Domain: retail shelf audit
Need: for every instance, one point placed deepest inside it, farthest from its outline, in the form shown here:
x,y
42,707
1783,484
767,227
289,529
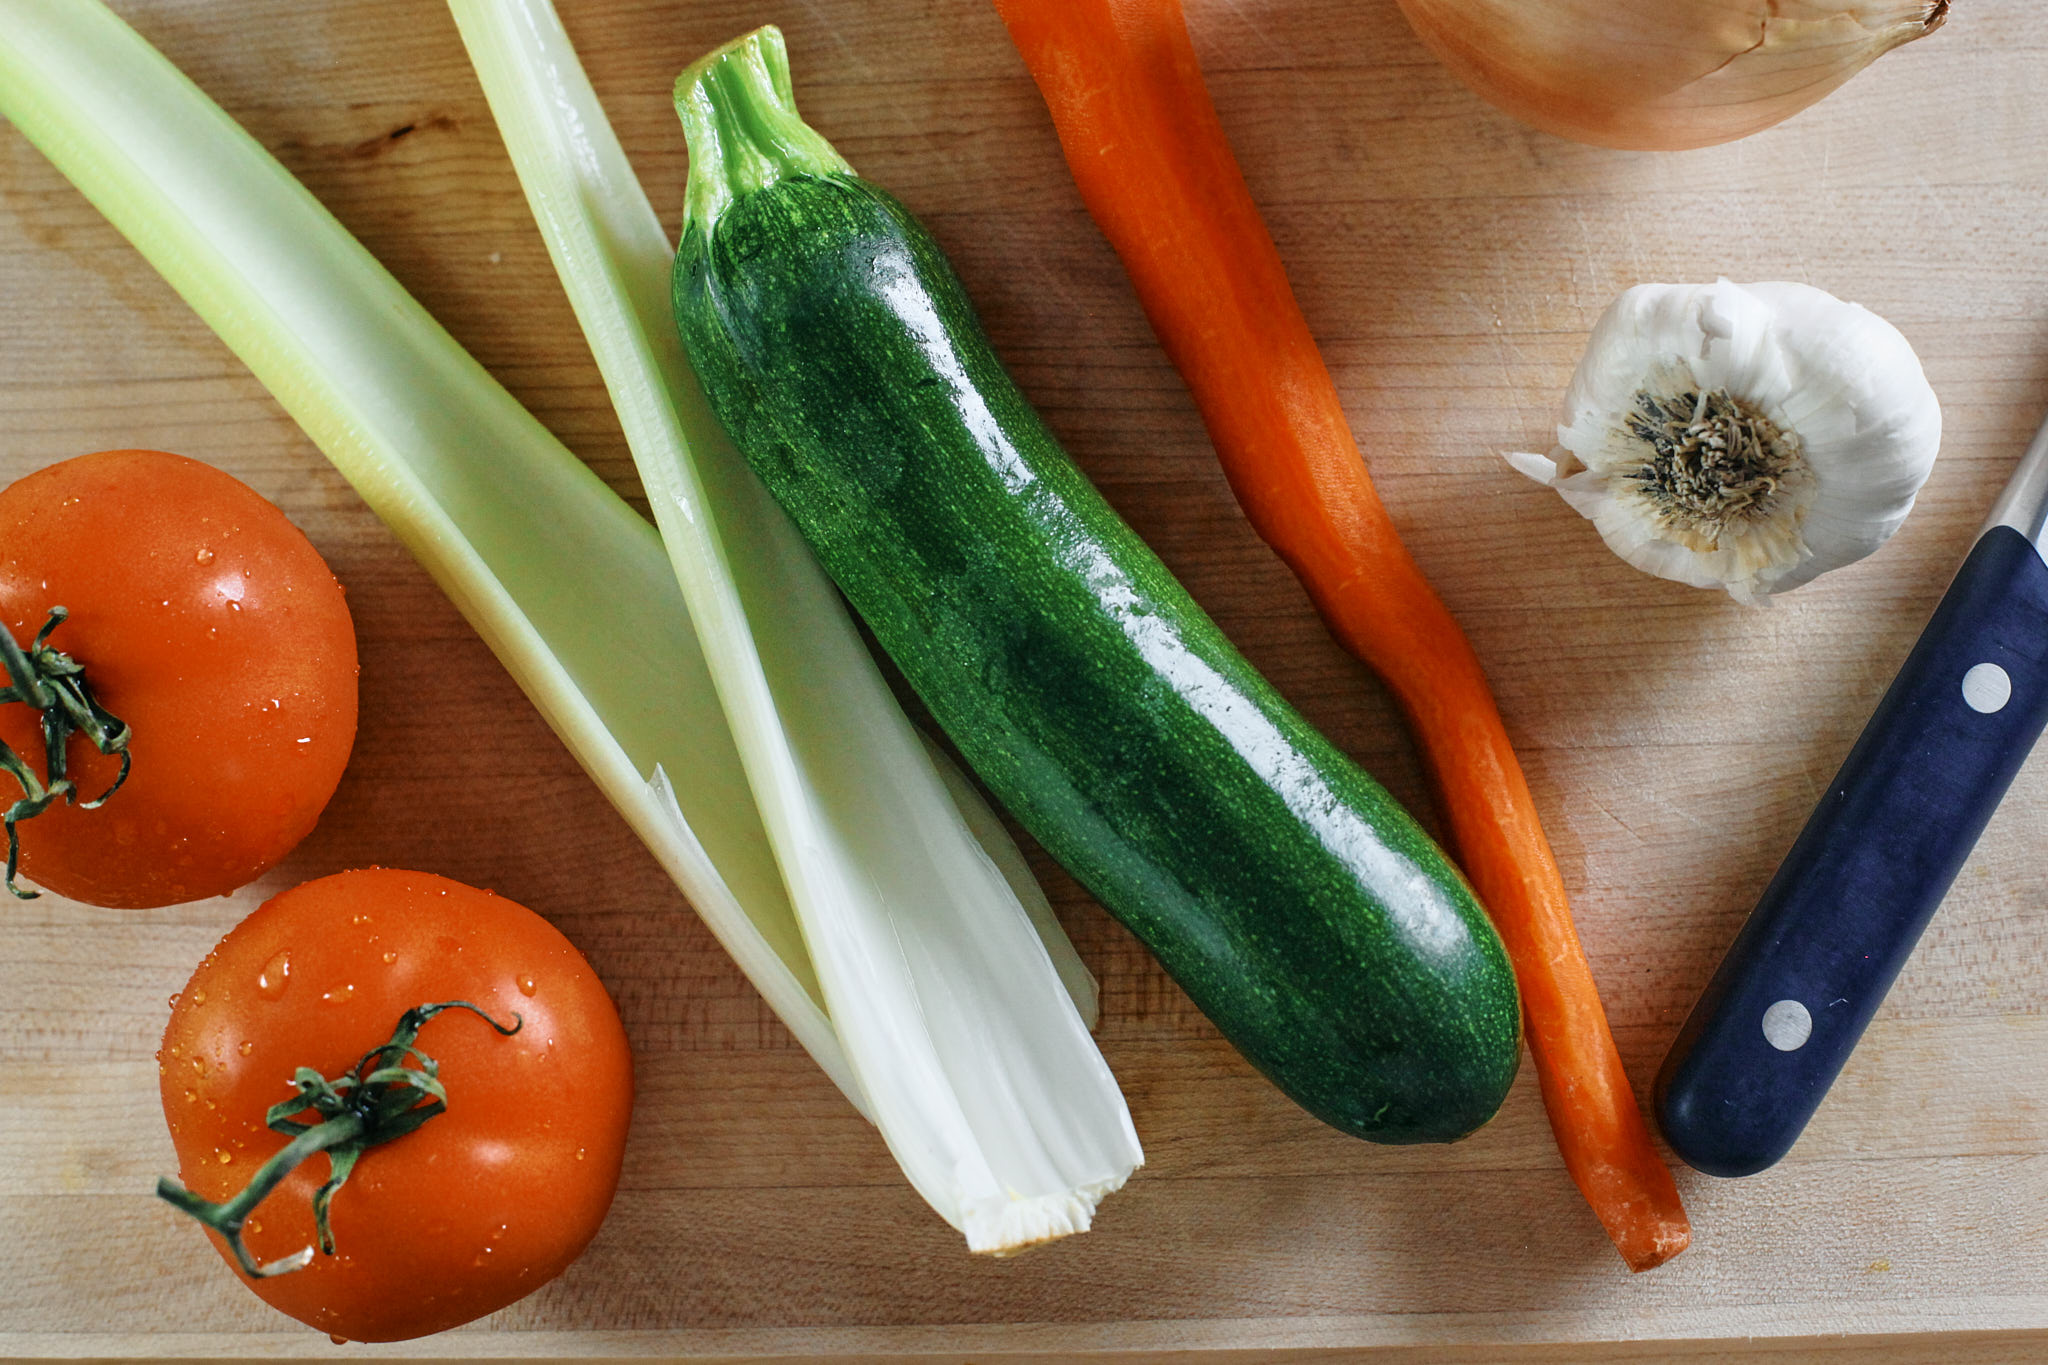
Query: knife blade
x,y
1813,962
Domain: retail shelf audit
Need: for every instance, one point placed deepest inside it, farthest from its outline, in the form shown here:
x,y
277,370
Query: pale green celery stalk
x,y
979,1071
566,583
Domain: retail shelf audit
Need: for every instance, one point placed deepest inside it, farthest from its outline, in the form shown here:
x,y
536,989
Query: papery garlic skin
x,y
1745,437
1662,74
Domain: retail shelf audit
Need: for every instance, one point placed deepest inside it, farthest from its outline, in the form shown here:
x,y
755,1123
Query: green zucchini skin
x,y
1302,909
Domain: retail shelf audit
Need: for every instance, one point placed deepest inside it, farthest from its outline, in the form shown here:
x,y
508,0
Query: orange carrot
x,y
1157,173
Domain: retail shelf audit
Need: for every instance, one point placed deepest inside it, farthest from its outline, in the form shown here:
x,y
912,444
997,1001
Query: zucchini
x,y
1299,906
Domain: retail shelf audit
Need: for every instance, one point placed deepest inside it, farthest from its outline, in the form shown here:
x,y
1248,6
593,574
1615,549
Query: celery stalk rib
x,y
956,1022
568,586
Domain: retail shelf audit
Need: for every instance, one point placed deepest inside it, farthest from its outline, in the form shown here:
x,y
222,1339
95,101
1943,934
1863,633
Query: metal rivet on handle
x,y
1987,688
1787,1026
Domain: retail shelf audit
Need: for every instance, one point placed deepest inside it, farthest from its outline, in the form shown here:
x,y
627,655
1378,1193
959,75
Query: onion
x,y
1662,74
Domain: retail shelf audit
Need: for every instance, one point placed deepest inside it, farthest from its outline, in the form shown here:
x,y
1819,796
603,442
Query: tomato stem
x,y
54,684
378,1099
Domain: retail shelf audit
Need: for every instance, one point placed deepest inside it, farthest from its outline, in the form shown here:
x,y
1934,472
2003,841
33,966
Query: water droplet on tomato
x,y
246,1048
176,996
359,919
338,1341
198,998
191,1097
224,1158
199,1065
338,994
205,556
234,605
254,1226
275,977
527,986
579,1154
390,958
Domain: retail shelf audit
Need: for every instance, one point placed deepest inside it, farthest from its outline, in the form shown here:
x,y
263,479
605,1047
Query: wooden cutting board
x,y
1451,261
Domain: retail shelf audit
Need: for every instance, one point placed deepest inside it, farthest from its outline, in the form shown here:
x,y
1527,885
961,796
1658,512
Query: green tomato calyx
x,y
54,684
377,1100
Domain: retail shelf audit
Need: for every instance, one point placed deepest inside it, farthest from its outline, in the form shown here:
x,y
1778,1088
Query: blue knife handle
x,y
1810,967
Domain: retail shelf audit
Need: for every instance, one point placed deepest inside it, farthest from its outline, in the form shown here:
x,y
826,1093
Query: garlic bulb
x,y
1662,74
1746,437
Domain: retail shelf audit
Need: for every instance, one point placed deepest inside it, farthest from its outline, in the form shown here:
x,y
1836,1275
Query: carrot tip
x,y
1662,1243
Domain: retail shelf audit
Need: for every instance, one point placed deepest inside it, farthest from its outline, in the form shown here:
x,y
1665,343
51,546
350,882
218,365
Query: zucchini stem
x,y
739,116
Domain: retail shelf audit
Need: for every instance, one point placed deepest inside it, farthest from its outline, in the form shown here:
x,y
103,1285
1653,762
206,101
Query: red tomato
x,y
208,623
478,1206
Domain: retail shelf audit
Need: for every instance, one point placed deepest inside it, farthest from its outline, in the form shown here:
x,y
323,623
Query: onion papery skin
x,y
1662,75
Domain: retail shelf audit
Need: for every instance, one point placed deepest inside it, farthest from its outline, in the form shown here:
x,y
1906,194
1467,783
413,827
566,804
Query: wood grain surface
x,y
1451,261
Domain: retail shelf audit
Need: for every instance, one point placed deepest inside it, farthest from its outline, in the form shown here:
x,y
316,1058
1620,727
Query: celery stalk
x,y
979,1072
567,584
569,587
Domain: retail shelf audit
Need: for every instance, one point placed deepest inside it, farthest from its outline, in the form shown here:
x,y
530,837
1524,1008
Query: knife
x,y
1815,958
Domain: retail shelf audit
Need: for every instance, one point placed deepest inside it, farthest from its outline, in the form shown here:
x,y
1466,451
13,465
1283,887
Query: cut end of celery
x,y
1009,1227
